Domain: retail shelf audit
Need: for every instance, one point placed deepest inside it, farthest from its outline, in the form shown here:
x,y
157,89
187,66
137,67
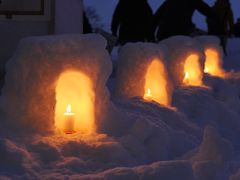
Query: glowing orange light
x,y
186,77
213,64
148,95
69,110
149,92
206,70
156,83
76,88
192,71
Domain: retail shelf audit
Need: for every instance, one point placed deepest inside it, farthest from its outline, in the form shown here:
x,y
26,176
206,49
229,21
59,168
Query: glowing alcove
x,y
192,71
75,89
156,83
213,63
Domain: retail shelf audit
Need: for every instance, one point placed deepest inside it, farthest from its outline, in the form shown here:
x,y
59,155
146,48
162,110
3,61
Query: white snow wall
x,y
214,55
28,96
134,61
179,48
211,42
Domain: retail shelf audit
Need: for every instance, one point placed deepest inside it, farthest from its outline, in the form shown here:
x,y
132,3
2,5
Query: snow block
x,y
213,55
142,72
48,73
185,60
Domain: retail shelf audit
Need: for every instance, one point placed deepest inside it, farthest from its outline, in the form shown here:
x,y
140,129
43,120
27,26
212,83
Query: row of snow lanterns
x,y
76,79
156,69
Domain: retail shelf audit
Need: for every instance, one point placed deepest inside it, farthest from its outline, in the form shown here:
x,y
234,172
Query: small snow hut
x,y
186,60
213,55
142,73
57,83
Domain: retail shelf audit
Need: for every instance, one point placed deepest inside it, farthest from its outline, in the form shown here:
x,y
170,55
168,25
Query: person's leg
x,y
223,42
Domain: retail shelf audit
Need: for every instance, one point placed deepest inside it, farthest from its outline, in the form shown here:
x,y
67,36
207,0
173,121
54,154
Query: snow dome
x,y
186,60
214,55
141,72
57,83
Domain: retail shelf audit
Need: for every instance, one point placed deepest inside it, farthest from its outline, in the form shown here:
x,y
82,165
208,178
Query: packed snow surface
x,y
197,138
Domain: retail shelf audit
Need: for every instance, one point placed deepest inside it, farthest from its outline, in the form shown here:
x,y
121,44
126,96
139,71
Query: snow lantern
x,y
213,55
57,83
142,73
186,60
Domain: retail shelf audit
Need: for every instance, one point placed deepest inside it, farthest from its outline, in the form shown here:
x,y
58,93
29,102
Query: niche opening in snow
x,y
156,83
192,71
213,63
185,60
74,94
213,55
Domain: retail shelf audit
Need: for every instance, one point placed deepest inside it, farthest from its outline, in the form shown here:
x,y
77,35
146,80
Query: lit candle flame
x,y
186,75
206,70
149,92
148,95
69,108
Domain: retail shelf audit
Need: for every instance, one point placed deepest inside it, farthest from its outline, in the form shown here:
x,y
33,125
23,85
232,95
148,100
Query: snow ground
x,y
196,139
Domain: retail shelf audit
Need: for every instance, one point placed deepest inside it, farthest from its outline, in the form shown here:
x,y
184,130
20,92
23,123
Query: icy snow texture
x,y
210,162
28,97
211,42
170,170
134,60
179,48
202,108
153,142
211,45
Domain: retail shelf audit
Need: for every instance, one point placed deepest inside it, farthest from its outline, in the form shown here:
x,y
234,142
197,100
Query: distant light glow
x,y
192,71
213,65
156,83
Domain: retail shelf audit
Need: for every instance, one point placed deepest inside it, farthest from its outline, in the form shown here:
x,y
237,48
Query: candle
x,y
148,95
69,121
186,77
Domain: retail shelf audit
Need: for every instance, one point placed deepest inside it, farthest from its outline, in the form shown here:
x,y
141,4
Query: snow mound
x,y
14,159
210,162
159,170
202,108
214,148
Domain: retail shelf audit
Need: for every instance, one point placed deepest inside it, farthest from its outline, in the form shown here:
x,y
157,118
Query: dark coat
x,y
174,17
237,28
132,21
223,24
87,28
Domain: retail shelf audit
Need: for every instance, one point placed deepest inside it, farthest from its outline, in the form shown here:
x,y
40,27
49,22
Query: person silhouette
x,y
132,21
223,26
237,28
174,17
87,27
